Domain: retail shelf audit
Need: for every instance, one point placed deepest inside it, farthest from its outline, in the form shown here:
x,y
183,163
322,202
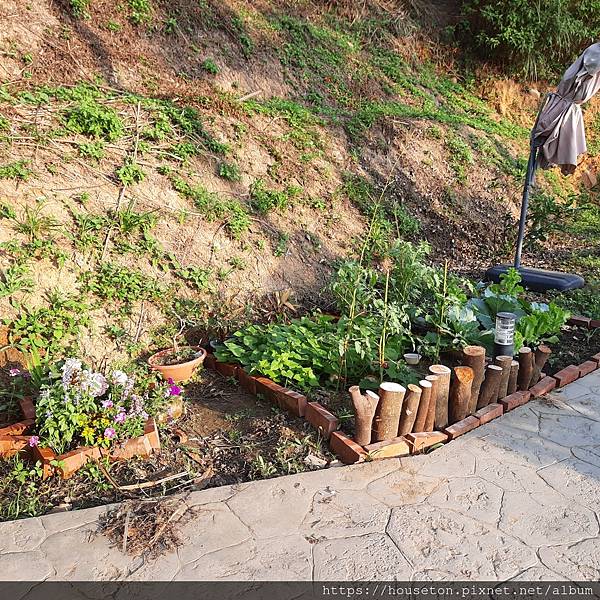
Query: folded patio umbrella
x,y
558,136
559,130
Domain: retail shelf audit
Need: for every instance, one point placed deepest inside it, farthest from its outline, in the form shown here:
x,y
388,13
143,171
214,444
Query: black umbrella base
x,y
539,280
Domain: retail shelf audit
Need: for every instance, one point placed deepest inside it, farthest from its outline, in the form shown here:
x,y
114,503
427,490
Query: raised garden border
x,y
14,440
350,452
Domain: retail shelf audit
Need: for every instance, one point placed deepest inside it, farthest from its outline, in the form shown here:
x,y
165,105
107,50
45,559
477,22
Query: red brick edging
x,y
12,440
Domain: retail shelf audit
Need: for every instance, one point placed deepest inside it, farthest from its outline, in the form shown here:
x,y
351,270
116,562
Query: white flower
x,y
71,368
94,384
137,405
119,378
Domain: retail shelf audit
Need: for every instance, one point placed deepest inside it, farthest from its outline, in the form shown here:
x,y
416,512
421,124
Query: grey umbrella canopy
x,y
559,129
558,136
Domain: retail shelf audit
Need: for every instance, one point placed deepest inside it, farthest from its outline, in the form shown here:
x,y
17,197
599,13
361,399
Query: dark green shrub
x,y
539,38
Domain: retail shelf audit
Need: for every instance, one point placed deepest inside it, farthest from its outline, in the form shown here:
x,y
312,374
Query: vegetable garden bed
x,y
252,429
504,384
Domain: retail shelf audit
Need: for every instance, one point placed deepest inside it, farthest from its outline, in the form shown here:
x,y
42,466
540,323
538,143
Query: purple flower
x,y
34,440
48,414
170,381
14,372
109,433
120,417
107,404
174,390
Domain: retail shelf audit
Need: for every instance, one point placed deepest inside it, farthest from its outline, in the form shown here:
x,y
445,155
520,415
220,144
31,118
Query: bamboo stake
x,y
441,403
409,409
505,363
421,420
474,357
512,380
525,368
364,411
491,384
434,380
460,393
387,415
542,353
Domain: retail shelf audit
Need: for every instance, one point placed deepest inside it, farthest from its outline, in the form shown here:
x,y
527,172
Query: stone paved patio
x,y
516,499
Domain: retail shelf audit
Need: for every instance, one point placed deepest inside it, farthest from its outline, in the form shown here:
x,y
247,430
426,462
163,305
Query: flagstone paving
x,y
518,498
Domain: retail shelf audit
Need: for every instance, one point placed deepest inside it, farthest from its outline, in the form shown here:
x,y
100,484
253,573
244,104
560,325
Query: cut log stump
x,y
421,420
460,393
364,412
490,387
389,408
443,392
474,357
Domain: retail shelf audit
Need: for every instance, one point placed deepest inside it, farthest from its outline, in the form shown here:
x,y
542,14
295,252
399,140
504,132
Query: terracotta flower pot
x,y
177,372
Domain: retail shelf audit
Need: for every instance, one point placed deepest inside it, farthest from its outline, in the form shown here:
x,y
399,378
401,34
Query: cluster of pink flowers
x,y
174,390
14,372
121,415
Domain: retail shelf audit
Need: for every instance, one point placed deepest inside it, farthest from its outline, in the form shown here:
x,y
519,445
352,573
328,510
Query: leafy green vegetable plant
x,y
536,322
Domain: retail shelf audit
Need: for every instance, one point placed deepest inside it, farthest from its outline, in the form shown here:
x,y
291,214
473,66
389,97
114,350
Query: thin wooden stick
x,y
126,531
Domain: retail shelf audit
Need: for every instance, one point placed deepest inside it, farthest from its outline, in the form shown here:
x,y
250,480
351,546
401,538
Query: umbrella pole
x,y
531,165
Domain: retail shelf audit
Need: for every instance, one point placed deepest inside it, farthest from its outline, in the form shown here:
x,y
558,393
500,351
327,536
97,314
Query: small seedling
x,y
282,245
17,170
130,173
94,120
80,8
170,25
209,65
229,171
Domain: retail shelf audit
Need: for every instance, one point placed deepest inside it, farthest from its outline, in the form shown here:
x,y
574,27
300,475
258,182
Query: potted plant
x,y
177,363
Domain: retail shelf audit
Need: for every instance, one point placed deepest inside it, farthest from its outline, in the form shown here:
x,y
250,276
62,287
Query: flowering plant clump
x,y
79,406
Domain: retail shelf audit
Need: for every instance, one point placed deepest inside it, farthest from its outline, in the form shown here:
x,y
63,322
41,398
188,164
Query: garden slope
x,y
297,121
